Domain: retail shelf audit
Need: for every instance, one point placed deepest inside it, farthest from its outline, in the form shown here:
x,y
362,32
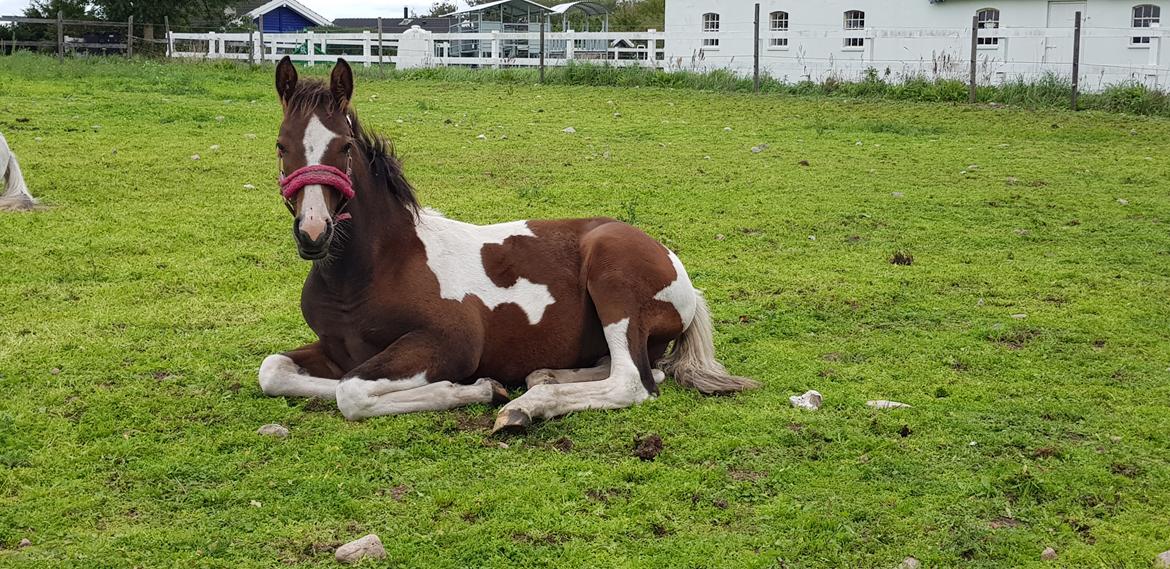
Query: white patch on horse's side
x,y
680,293
316,141
455,255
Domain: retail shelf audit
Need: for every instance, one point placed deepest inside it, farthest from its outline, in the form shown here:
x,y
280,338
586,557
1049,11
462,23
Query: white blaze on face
x,y
314,210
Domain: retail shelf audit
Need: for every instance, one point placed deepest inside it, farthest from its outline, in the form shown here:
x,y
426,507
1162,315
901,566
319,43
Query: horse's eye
x,y
348,146
280,147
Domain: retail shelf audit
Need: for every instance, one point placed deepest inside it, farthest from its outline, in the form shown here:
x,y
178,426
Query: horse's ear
x,y
341,83
286,79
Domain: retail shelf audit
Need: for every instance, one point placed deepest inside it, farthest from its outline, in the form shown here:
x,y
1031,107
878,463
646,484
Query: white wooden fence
x,y
417,48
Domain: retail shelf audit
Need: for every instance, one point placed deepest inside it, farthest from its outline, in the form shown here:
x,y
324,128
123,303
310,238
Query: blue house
x,y
286,16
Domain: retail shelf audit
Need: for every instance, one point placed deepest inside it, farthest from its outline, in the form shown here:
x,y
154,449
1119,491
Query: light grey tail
x,y
16,196
692,362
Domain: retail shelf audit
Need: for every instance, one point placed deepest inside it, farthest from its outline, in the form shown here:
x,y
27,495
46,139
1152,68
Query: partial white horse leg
x,y
622,388
362,398
579,375
15,195
280,376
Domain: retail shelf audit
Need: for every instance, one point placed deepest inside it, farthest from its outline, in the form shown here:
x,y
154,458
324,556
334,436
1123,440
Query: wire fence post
x,y
381,71
973,92
1076,71
61,36
542,25
756,52
167,28
263,45
130,37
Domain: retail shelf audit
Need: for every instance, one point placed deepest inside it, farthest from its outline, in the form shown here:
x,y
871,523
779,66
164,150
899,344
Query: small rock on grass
x,y
25,542
1162,561
883,404
910,563
1049,554
569,130
354,551
273,430
810,400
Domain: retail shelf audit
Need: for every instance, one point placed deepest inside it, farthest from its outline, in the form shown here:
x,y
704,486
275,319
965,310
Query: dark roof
x,y
395,25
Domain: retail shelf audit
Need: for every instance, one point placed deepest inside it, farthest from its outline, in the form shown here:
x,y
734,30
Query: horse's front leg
x,y
416,373
304,372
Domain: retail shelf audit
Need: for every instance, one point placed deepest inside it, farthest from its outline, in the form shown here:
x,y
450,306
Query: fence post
x,y
542,25
756,52
262,44
381,71
310,51
211,45
60,36
170,42
496,49
367,54
570,46
130,37
1076,72
973,92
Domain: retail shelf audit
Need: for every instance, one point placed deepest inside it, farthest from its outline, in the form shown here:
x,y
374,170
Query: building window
x,y
988,20
778,25
854,20
1145,16
711,26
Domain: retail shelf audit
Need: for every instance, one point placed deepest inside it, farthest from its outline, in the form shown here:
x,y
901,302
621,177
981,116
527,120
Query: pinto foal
x,y
415,312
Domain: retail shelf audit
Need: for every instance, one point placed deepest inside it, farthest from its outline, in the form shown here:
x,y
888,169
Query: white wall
x,y
915,37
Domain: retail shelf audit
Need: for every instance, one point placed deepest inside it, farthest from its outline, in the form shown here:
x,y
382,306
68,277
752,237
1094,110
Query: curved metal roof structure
x,y
589,8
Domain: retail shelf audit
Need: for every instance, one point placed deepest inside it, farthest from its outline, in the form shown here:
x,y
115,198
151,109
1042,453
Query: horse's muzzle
x,y
313,248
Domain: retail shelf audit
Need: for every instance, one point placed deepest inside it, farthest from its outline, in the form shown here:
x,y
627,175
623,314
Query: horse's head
x,y
314,150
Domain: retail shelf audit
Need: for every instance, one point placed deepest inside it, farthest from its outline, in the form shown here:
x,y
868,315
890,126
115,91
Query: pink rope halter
x,y
318,174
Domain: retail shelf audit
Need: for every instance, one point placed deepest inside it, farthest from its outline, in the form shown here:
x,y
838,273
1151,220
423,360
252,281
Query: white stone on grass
x,y
811,399
883,404
354,551
249,187
194,156
910,563
1162,561
273,430
1048,554
570,130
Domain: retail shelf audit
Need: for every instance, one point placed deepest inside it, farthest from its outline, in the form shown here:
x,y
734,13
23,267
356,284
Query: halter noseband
x,y
323,175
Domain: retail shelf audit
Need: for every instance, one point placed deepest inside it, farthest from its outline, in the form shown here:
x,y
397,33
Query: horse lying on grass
x,y
16,196
414,312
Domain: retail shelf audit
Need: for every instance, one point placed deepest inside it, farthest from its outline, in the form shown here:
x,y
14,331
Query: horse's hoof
x,y
500,395
511,422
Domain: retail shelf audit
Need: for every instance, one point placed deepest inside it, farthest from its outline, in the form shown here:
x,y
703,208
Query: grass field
x,y
1030,333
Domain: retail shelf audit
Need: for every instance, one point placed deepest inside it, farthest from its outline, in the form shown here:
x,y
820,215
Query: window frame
x,y
988,23
853,20
779,23
711,21
1151,14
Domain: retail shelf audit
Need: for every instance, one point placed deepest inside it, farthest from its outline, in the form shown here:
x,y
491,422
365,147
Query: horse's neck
x,y
380,234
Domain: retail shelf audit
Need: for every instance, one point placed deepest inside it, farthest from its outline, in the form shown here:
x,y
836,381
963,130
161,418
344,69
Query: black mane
x,y
384,166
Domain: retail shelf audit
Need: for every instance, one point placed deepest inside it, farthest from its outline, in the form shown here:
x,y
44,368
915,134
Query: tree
x,y
442,8
48,9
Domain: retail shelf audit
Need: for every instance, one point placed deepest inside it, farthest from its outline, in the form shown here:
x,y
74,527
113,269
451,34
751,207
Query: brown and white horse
x,y
415,312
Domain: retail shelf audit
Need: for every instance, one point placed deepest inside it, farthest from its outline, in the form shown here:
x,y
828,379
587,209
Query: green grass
x,y
154,284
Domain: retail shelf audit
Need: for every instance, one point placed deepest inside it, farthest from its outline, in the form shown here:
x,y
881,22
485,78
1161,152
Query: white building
x,y
844,39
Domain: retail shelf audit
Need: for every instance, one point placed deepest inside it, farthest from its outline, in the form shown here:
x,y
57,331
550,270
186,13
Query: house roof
x,y
395,25
291,5
589,8
485,6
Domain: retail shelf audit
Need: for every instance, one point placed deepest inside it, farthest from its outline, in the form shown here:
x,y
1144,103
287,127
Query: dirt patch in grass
x,y
648,448
1016,339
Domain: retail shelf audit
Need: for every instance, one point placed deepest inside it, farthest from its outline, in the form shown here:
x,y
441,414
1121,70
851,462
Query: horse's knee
x,y
353,399
274,372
